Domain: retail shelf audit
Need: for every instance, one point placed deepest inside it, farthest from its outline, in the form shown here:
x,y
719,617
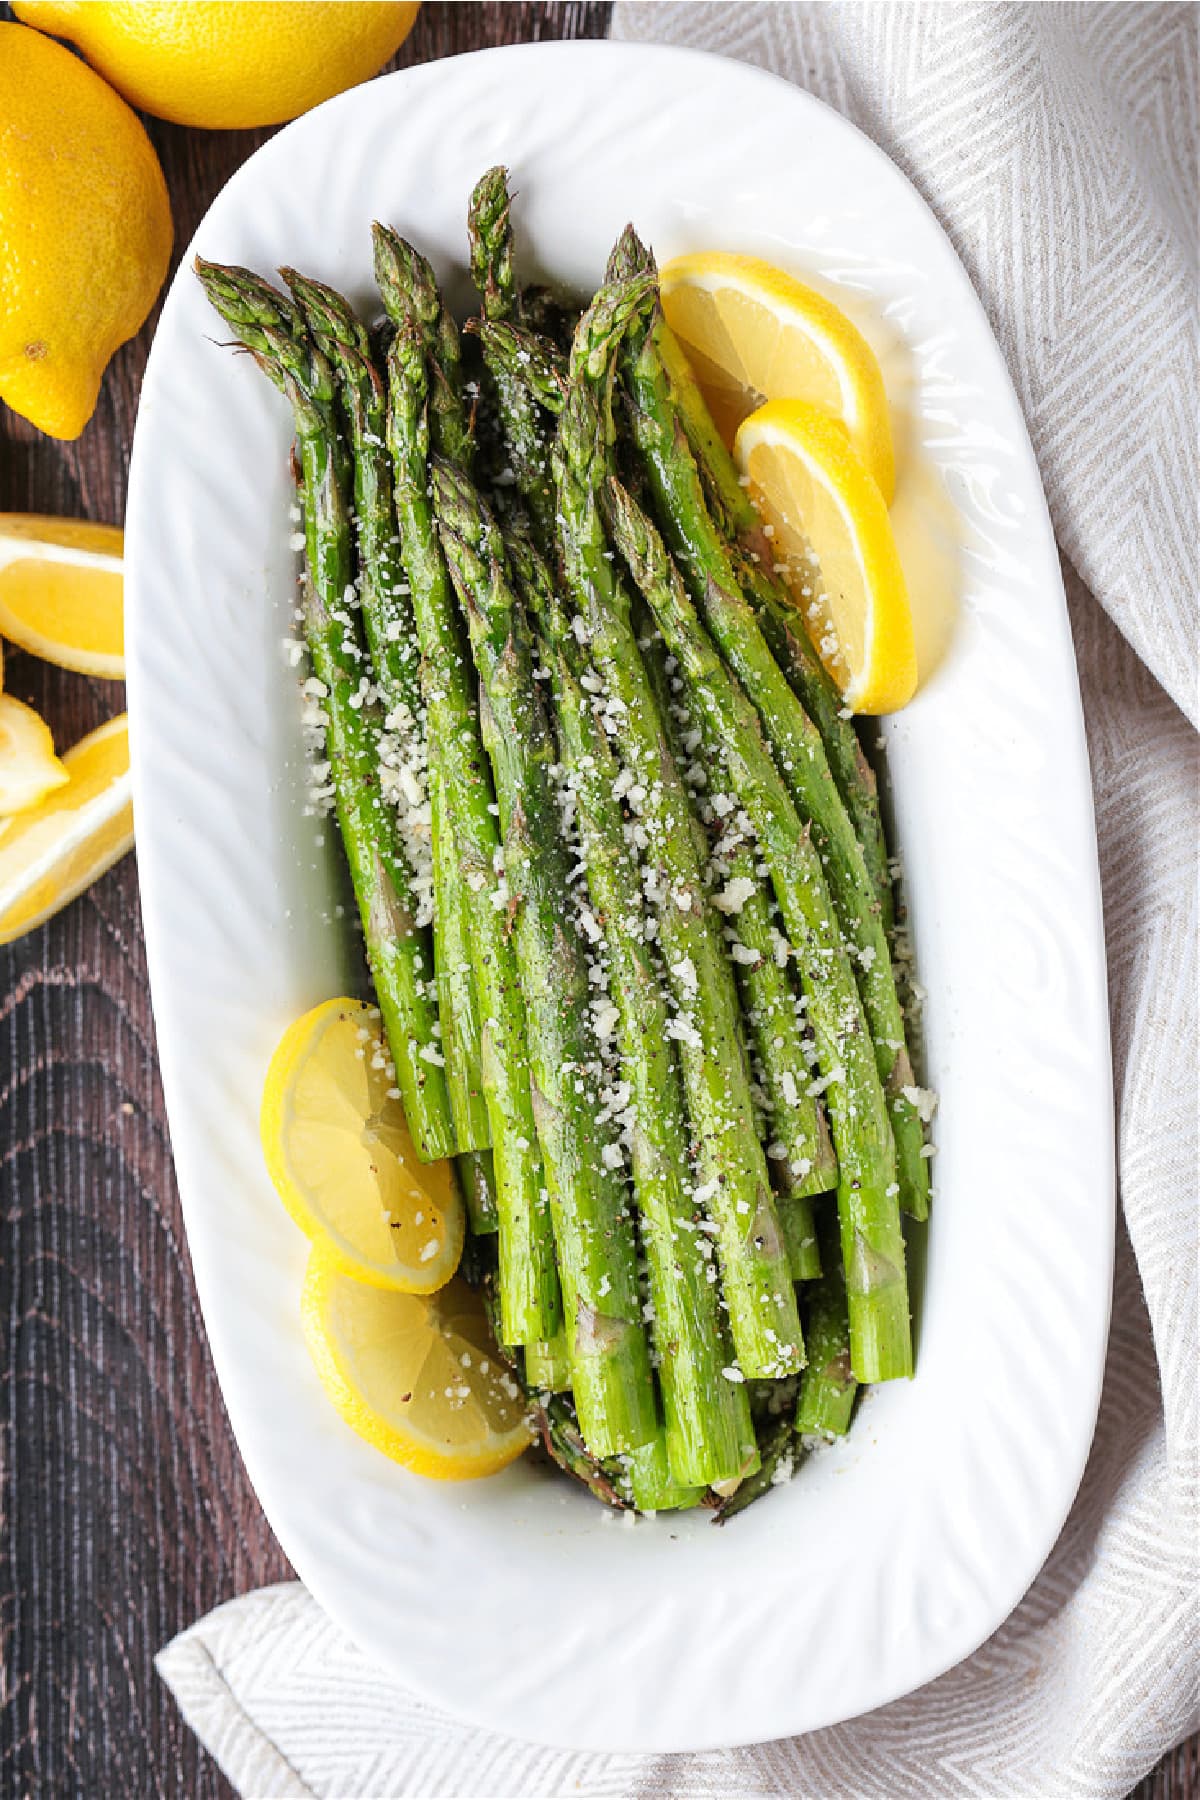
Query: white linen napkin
x,y
1056,143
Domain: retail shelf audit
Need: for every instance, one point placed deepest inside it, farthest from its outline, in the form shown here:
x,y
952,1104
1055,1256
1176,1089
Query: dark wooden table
x,y
125,1512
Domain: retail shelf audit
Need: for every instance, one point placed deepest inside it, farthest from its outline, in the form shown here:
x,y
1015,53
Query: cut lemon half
x,y
416,1375
752,333
339,1152
29,769
833,541
51,852
61,592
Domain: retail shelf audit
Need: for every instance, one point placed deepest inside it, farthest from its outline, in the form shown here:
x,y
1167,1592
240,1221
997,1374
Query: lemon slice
x,y
29,769
51,852
61,592
338,1150
415,1375
752,333
833,540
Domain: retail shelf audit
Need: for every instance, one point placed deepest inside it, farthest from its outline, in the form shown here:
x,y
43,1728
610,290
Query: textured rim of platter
x,y
516,1602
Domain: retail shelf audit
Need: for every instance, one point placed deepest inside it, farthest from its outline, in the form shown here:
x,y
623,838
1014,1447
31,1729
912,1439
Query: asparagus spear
x,y
649,1475
458,1009
780,1450
782,625
490,236
387,608
640,1479
804,1161
477,1179
399,952
392,635
546,312
564,1443
708,1431
713,581
260,306
776,610
524,423
872,1242
528,359
548,1367
606,1342
410,294
800,1149
730,1168
521,417
552,1412
809,1164
784,631
528,1283
827,1386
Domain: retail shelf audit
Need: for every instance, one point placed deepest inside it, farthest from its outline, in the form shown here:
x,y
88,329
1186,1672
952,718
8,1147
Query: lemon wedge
x,y
52,851
29,769
753,333
833,541
339,1152
416,1375
61,592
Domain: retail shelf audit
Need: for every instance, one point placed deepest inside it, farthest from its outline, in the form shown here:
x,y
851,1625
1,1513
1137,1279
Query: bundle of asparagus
x,y
618,859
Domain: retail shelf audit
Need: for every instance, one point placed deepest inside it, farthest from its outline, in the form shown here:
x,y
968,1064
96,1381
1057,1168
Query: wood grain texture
x,y
125,1512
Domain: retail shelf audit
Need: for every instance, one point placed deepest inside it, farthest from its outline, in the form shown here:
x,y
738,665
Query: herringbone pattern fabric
x,y
1057,145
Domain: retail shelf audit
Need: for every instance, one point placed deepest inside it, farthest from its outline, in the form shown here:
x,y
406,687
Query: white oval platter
x,y
516,1602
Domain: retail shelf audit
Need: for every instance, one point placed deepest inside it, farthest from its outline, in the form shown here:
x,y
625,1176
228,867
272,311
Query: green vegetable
x,y
458,1001
527,1278
513,381
708,1432
392,634
731,1174
490,235
651,1481
400,952
828,1385
606,1340
781,1453
411,297
872,1242
712,579
732,505
803,1161
548,1367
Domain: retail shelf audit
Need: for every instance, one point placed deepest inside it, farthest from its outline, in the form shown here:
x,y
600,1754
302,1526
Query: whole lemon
x,y
85,230
227,63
